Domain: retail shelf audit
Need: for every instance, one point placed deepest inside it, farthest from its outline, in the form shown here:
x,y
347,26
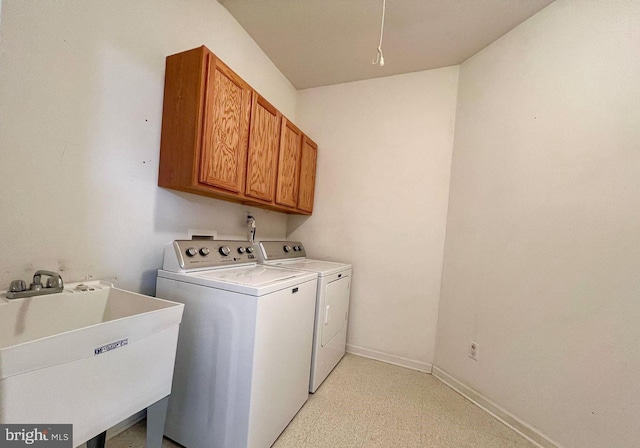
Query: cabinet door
x,y
263,150
307,175
227,105
289,164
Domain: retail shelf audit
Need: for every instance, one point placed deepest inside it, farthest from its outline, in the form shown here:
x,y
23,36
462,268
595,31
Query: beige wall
x,y
81,87
542,257
381,199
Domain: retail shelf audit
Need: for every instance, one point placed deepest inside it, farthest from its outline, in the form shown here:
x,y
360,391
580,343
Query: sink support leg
x,y
156,414
98,441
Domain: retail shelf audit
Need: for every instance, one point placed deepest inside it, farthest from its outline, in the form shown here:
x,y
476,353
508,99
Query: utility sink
x,y
92,355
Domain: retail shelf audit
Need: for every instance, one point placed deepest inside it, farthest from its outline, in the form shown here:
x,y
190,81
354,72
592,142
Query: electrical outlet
x,y
474,350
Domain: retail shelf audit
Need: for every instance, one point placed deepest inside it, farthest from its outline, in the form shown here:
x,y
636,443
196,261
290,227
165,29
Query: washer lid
x,y
323,268
257,276
253,280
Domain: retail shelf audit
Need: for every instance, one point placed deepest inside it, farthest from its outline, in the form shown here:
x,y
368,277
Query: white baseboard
x,y
513,422
389,359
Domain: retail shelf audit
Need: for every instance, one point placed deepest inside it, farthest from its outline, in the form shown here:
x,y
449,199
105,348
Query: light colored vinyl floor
x,y
366,404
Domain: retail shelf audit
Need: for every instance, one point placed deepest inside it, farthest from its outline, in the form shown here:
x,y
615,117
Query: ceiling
x,y
323,42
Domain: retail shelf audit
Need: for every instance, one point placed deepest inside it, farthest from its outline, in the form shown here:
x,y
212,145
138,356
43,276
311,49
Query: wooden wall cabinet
x,y
227,102
288,180
263,150
307,174
221,139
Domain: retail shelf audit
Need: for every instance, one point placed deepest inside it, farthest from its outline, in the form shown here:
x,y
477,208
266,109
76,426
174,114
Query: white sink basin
x,y
91,358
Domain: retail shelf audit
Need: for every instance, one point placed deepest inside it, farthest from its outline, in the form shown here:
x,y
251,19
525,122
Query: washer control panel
x,y
200,254
281,250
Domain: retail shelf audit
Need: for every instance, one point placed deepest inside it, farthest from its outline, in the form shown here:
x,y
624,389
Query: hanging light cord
x,y
379,60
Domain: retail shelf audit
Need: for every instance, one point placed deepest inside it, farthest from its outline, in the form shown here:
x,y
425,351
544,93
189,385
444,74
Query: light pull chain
x,y
379,60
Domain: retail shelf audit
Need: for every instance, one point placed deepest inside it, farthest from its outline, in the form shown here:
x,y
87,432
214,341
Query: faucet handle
x,y
54,280
18,286
51,282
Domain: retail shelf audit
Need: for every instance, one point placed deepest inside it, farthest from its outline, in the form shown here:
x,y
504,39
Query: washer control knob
x,y
224,250
204,251
241,250
287,248
249,249
191,252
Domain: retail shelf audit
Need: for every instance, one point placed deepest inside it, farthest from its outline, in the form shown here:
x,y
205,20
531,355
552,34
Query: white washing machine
x,y
244,350
332,303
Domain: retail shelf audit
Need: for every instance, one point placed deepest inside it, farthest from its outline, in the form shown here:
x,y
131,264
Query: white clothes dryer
x,y
332,303
244,351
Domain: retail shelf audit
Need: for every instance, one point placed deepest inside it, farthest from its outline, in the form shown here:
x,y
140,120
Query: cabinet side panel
x,y
224,145
181,118
307,175
289,164
263,150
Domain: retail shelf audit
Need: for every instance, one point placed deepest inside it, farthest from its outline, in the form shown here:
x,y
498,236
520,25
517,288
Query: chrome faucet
x,y
54,284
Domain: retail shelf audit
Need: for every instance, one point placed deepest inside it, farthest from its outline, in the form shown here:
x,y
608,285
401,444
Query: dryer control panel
x,y
281,250
187,255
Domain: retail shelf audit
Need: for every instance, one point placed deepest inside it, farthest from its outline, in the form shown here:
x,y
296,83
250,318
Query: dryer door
x,y
336,306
